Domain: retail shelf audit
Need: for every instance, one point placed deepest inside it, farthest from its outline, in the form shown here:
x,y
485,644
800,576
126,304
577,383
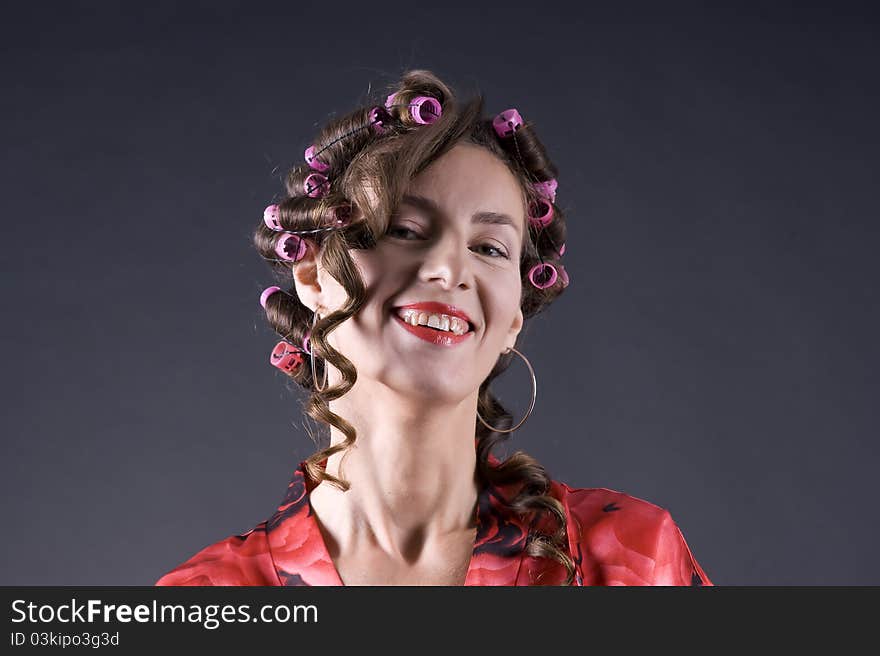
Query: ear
x,y
306,277
515,327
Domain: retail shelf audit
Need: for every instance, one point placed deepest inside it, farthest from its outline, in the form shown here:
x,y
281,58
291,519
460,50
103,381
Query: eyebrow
x,y
484,216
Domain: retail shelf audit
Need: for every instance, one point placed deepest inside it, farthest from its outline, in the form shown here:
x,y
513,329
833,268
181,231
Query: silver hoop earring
x,y
315,318
531,405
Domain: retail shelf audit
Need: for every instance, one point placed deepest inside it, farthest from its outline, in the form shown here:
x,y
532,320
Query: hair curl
x,y
368,171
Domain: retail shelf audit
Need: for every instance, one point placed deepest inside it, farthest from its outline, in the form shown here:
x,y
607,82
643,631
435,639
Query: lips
x,y
438,337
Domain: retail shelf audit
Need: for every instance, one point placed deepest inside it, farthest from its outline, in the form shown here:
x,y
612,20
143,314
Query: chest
x,y
442,565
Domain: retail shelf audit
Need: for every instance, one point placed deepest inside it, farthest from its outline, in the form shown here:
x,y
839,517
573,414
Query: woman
x,y
420,236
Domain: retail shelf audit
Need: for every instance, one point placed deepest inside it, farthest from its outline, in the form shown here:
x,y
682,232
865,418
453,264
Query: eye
x,y
398,229
500,252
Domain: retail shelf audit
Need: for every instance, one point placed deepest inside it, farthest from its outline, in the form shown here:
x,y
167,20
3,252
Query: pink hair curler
x,y
507,122
541,220
291,248
307,342
547,189
540,270
343,215
314,162
316,185
425,110
377,118
270,218
562,251
267,293
389,101
286,357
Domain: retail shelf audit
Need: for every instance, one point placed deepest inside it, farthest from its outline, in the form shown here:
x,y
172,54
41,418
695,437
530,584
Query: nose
x,y
448,263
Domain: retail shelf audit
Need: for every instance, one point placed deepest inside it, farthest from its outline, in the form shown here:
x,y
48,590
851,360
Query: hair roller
x,y
549,238
543,275
270,217
420,109
378,119
295,182
519,140
342,215
425,110
419,100
316,185
267,293
507,122
291,247
286,357
290,215
315,163
547,189
540,213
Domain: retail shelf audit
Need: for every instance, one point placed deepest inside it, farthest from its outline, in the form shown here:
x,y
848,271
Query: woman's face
x,y
456,239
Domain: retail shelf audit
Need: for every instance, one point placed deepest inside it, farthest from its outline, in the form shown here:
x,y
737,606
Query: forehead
x,y
469,179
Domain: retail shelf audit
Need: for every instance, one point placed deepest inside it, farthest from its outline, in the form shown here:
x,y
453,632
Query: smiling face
x,y
455,239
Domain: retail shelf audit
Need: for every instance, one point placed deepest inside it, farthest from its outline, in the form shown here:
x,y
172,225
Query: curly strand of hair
x,y
532,502
340,265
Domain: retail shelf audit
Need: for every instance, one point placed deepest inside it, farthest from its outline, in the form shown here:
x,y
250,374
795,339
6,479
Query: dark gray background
x,y
715,354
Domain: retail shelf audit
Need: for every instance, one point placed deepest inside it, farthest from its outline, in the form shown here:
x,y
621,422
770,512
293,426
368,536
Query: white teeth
x,y
439,321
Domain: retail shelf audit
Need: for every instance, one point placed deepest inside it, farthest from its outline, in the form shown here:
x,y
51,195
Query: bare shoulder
x,y
238,560
625,540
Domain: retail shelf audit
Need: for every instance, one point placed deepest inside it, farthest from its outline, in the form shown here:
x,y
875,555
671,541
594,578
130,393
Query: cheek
x,y
504,299
371,265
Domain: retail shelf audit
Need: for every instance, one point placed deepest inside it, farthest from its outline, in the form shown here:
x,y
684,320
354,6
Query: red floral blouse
x,y
613,538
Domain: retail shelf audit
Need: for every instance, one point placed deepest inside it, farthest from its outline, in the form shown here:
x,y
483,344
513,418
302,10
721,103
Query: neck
x,y
412,470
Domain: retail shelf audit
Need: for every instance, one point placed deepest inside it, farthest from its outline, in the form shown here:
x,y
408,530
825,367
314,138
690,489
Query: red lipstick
x,y
432,307
439,337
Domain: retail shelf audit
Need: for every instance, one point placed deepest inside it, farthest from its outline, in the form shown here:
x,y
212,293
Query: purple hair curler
x,y
316,185
270,218
343,215
377,116
507,122
291,248
547,189
540,270
425,110
267,293
315,163
541,220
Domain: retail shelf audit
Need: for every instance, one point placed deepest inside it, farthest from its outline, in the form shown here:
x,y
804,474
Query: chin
x,y
427,387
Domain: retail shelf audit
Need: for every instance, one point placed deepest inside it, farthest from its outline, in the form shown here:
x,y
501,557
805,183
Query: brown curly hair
x,y
368,172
